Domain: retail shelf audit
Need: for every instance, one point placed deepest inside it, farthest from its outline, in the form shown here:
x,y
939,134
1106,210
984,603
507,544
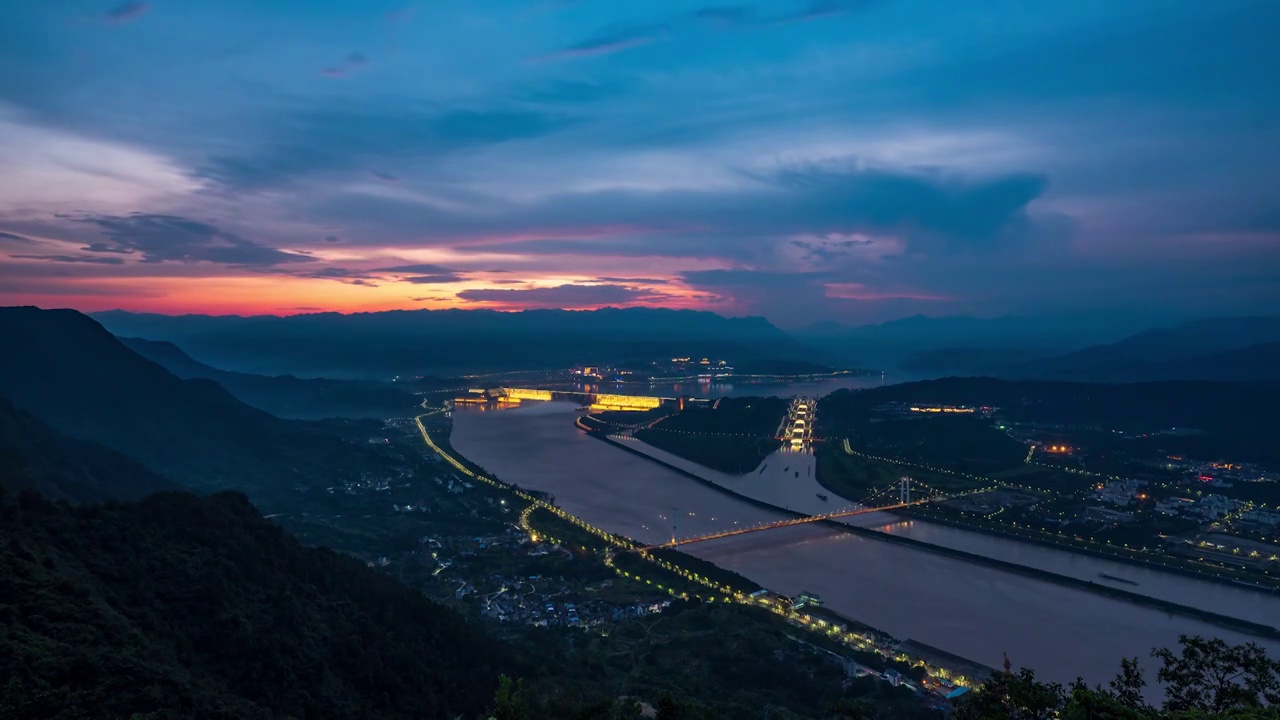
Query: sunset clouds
x,y
849,160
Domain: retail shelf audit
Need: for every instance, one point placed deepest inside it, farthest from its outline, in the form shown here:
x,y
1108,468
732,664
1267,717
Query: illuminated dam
x,y
599,402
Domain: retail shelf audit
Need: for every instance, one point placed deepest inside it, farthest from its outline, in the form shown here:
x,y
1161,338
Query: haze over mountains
x,y
382,345
285,396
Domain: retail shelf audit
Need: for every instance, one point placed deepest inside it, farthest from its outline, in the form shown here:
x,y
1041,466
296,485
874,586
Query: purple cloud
x,y
609,43
417,269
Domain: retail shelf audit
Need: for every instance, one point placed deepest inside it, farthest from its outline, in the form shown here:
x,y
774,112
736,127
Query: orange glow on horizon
x,y
286,295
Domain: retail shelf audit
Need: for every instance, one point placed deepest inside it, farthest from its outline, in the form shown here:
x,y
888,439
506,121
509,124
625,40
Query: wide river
x,y
971,610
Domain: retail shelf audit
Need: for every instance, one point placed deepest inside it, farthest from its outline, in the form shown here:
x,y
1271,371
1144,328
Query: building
x,y
1262,517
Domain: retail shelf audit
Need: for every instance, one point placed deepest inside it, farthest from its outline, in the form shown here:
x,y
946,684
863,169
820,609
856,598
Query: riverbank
x,y
921,514
1036,538
1004,566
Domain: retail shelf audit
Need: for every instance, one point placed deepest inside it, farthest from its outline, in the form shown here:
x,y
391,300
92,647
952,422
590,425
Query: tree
x,y
1012,696
1096,703
509,702
1127,686
666,708
1212,676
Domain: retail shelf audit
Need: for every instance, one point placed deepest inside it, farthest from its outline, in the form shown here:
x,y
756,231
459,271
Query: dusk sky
x,y
805,160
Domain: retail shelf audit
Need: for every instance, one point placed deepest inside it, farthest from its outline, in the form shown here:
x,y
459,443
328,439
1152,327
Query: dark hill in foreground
x,y
33,455
179,606
64,368
191,607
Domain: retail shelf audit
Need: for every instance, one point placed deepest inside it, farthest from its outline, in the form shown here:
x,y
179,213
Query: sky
x,y
806,160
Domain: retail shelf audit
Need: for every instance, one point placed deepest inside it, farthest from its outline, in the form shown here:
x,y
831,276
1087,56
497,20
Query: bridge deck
x,y
787,523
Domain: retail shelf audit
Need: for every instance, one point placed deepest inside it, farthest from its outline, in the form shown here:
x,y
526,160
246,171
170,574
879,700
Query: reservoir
x,y
967,609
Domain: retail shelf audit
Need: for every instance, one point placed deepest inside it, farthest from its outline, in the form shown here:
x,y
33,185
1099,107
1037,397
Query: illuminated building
x,y
625,402
941,409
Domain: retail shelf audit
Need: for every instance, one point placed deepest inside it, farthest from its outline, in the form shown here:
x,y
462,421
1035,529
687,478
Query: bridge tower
x,y
674,541
904,490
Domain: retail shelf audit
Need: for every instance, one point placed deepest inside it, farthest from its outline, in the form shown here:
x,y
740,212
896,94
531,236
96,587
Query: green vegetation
x,y
190,607
713,661
1203,679
757,416
1235,420
726,453
855,477
62,468
732,436
708,570
964,444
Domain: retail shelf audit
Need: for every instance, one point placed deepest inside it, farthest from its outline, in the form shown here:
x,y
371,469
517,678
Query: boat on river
x,y
1116,578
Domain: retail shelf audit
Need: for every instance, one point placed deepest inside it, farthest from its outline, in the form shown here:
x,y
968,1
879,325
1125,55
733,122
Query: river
x,y
967,609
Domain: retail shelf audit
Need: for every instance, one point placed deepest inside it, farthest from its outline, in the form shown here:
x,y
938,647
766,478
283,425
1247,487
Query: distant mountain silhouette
x,y
953,343
285,395
34,455
411,342
65,368
1243,348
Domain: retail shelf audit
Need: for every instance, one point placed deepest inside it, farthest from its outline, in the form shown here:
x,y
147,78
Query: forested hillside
x,y
197,607
33,455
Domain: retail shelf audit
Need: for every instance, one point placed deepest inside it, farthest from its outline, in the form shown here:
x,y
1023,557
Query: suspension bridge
x,y
878,501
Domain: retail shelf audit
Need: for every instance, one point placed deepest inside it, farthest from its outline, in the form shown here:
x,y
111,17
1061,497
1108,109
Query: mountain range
x,y
1233,348
66,369
380,345
417,342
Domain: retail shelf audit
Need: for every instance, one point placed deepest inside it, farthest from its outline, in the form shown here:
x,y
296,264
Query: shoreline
x,y
911,514
1225,621
917,513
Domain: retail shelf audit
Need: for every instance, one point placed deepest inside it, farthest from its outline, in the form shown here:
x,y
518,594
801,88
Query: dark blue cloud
x,y
931,212
344,137
126,11
171,238
84,259
353,63
433,279
615,38
817,9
